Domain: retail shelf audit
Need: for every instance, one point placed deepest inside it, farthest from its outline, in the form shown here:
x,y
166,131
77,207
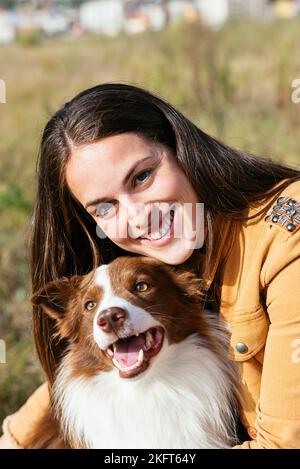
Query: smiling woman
x,y
118,167
124,193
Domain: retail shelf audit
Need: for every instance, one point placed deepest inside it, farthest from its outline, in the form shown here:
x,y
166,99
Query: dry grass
x,y
234,83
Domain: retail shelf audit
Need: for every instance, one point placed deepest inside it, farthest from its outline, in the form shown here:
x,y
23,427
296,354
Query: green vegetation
x,y
234,83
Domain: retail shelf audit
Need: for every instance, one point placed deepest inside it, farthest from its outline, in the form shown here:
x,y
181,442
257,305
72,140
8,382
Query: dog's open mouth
x,y
132,355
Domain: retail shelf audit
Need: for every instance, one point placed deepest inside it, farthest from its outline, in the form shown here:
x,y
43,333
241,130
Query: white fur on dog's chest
x,y
183,394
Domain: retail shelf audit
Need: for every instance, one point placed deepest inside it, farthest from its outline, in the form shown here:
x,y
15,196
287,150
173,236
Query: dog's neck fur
x,y
184,400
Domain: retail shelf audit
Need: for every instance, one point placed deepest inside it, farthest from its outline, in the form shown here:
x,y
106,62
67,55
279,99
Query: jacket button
x,y
280,200
291,227
241,347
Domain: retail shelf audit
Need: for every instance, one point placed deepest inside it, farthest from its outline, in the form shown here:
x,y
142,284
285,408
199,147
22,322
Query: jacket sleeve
x,y
278,409
23,424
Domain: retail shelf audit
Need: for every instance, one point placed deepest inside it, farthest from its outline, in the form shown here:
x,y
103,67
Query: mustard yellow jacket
x,y
260,301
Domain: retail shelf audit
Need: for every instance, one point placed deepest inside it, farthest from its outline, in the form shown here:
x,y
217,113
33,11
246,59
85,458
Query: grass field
x,y
234,83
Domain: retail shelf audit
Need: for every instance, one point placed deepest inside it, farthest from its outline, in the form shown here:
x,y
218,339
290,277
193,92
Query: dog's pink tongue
x,y
127,350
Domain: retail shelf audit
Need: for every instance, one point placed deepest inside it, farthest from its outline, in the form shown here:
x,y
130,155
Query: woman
x,y
116,147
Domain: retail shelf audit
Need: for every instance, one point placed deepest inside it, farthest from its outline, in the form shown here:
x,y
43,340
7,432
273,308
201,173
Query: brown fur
x,y
173,298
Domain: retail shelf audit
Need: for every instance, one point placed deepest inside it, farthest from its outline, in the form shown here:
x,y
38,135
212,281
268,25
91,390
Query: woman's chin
x,y
173,255
176,258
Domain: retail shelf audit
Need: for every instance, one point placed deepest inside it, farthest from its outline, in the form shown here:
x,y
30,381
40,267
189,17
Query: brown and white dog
x,y
146,366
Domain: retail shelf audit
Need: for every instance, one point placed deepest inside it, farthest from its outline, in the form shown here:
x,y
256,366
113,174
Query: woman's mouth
x,y
162,236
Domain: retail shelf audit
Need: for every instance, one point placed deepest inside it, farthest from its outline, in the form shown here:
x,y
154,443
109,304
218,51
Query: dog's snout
x,y
111,319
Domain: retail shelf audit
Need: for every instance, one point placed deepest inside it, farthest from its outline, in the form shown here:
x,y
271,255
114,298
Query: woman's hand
x,y
7,442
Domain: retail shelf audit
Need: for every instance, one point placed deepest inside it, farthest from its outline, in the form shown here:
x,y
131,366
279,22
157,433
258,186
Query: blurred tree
x,y
10,4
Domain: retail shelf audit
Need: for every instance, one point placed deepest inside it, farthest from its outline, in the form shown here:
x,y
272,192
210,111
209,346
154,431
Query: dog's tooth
x,y
116,363
141,356
149,339
137,334
119,365
114,347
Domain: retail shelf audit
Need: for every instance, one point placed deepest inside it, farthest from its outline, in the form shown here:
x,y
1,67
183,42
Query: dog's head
x,y
121,315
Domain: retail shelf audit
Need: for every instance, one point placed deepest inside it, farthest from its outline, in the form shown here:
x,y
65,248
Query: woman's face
x,y
133,187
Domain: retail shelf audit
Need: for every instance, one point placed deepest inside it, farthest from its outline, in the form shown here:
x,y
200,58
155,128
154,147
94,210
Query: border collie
x,y
146,366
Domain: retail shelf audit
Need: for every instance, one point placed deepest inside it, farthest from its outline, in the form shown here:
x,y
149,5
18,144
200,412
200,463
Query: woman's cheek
x,y
116,230
166,187
106,229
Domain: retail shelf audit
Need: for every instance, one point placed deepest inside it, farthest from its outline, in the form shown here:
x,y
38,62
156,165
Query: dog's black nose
x,y
111,319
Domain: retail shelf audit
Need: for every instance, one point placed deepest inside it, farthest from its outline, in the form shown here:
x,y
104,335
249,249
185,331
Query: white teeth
x,y
141,356
132,367
149,339
161,232
139,362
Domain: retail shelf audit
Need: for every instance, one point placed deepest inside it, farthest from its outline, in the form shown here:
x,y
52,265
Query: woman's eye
x,y
89,305
141,286
142,176
103,209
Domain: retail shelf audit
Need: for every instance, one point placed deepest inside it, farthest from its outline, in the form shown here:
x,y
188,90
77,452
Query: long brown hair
x,y
63,239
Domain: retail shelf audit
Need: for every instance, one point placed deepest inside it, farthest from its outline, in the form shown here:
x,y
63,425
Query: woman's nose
x,y
137,218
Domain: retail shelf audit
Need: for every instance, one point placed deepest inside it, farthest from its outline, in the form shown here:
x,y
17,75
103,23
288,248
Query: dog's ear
x,y
187,282
190,285
55,297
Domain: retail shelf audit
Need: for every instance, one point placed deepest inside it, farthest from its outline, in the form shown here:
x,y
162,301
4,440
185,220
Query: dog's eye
x,y
89,305
141,286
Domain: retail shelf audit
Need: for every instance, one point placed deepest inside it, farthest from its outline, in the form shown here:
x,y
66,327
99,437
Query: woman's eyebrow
x,y
132,169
